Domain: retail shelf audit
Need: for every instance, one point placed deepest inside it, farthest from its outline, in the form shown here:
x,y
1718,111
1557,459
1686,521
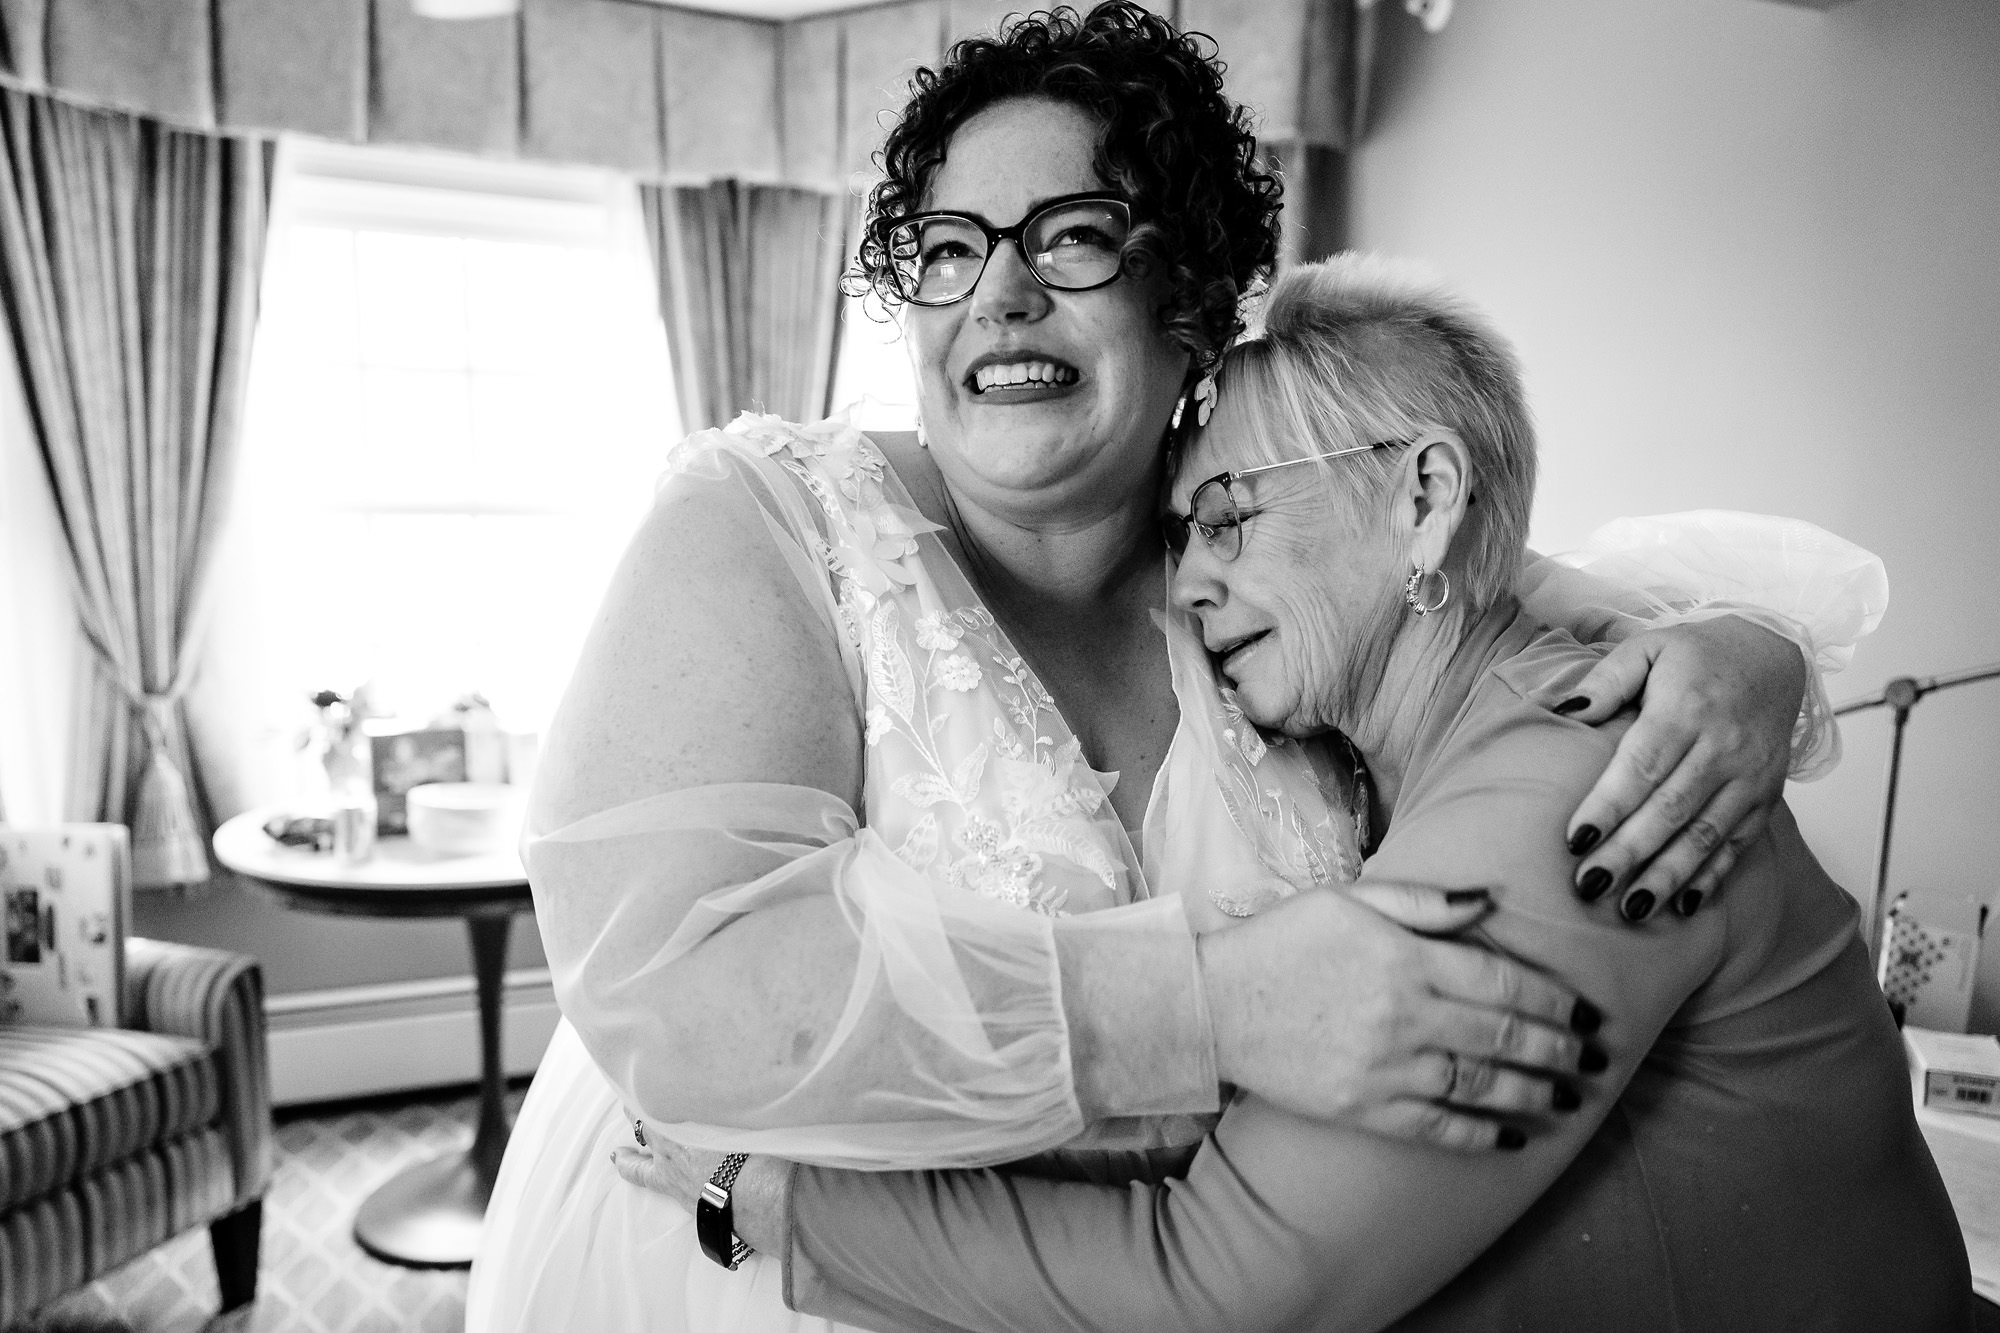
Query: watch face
x,y
715,1226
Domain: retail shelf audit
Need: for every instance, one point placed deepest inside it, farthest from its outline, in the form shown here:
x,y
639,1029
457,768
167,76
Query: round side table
x,y
429,1215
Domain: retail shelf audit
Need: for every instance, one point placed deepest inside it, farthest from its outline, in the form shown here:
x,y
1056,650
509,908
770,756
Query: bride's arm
x,y
710,909
1713,575
1723,623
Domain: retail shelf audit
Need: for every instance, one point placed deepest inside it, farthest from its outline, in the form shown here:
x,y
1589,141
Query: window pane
x,y
311,310
304,426
529,306
522,427
874,381
414,446
412,299
427,607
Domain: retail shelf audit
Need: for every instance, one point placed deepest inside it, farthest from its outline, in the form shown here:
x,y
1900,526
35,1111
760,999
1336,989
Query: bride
x,y
872,831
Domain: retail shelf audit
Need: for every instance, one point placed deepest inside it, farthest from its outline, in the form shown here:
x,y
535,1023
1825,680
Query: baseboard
x,y
356,1041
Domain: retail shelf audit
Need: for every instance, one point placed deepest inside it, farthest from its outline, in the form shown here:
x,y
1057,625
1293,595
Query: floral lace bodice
x,y
974,777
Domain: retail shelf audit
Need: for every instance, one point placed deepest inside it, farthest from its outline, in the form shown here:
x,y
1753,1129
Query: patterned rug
x,y
313,1277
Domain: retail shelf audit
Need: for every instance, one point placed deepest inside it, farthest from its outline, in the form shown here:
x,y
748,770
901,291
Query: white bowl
x,y
465,818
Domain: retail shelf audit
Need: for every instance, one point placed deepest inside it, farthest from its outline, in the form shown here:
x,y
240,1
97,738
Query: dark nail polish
x,y
1566,1098
1585,838
1593,1060
1585,1017
1460,897
1689,902
1576,703
1593,884
1511,1138
1638,905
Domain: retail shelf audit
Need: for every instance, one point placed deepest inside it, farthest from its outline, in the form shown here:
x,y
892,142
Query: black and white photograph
x,y
943,666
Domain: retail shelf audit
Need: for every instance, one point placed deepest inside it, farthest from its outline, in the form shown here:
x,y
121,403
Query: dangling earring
x,y
923,440
1413,589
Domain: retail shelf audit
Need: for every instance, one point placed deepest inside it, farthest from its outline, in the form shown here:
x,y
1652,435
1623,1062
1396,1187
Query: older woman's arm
x,y
1279,1218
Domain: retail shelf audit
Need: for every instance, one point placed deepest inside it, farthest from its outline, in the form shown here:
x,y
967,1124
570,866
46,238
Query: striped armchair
x,y
114,1140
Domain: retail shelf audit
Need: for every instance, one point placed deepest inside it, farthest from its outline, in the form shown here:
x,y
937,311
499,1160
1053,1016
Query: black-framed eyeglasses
x,y
1073,244
1216,513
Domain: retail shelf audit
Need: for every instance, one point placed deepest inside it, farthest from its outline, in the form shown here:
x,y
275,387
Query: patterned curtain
x,y
130,255
749,288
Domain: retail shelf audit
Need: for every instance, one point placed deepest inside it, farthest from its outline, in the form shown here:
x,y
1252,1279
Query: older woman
x,y
835,847
1350,522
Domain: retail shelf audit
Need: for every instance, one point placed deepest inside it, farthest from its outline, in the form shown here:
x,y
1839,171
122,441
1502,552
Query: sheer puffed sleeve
x,y
948,1041
888,997
1820,591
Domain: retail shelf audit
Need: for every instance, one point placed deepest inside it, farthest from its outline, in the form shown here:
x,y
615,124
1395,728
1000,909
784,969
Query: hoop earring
x,y
1413,589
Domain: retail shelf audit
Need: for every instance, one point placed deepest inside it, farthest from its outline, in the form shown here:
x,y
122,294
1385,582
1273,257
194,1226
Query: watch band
x,y
715,1215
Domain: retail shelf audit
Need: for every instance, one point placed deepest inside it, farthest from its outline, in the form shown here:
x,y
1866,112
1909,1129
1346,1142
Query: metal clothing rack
x,y
1901,695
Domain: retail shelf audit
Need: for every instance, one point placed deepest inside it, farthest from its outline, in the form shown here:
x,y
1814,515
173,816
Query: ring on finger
x,y
639,1132
1450,1076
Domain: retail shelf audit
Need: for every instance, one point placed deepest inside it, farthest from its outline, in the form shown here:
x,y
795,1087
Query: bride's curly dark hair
x,y
1170,142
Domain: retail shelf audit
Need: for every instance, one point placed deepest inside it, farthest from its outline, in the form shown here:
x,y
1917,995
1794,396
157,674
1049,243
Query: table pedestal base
x,y
427,1216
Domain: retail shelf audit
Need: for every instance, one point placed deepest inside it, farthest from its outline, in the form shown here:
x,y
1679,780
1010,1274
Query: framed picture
x,y
1927,971
405,757
67,895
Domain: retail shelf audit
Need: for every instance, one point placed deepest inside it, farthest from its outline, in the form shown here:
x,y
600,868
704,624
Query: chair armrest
x,y
215,997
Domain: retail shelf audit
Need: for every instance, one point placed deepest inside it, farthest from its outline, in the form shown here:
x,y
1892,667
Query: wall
x,y
1750,253
306,952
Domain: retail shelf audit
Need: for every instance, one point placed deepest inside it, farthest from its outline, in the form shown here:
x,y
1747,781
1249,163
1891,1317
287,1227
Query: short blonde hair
x,y
1358,349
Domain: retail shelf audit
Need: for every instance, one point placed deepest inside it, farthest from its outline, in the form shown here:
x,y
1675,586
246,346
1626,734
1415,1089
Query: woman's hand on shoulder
x,y
1339,1005
1694,779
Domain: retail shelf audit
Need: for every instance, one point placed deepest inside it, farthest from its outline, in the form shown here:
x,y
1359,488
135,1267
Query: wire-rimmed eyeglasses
x,y
1073,244
1216,513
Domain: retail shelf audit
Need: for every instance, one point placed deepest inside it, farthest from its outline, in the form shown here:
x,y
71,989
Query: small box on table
x,y
1954,1071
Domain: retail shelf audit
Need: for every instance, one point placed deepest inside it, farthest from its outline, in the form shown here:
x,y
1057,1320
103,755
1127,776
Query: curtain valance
x,y
663,93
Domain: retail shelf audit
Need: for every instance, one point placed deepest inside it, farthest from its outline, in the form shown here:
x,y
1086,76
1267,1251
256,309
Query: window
x,y
873,378
459,401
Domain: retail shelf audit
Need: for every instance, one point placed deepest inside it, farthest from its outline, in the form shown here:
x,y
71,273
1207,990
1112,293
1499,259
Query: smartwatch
x,y
715,1215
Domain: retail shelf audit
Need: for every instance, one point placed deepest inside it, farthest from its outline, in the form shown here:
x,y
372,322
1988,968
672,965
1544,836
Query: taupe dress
x,y
1760,1168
